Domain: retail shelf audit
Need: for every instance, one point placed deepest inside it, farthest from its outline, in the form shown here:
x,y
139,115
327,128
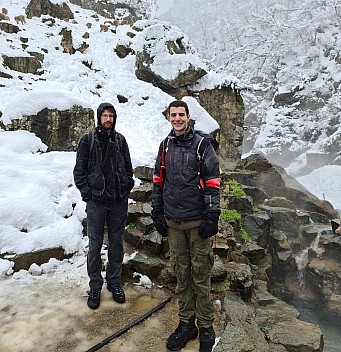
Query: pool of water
x,y
330,325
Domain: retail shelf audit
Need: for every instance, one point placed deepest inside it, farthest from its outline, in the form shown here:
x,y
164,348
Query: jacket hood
x,y
100,109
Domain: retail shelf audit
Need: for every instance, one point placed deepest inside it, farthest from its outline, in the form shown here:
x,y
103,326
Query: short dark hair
x,y
176,104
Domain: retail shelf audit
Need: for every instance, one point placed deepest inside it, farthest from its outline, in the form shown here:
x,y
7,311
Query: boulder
x,y
218,272
258,195
111,9
253,252
59,130
184,65
37,8
25,260
8,27
144,173
284,219
24,64
147,265
242,332
142,193
240,279
225,104
241,204
66,41
275,182
279,323
258,227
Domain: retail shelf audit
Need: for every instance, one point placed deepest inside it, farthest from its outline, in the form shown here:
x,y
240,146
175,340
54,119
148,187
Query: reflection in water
x,y
145,303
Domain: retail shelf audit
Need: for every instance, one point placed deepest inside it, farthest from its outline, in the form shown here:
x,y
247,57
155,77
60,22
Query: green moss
x,y
227,284
230,215
245,235
236,189
233,215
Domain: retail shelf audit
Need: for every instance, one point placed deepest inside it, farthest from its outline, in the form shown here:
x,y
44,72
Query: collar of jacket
x,y
103,132
187,136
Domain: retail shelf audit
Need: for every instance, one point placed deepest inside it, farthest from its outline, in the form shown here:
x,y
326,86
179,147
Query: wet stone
x,y
134,237
145,224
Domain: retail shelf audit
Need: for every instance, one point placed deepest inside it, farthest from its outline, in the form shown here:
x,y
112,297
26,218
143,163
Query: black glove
x,y
160,223
209,227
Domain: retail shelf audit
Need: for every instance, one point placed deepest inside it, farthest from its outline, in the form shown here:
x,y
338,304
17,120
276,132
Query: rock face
x,y
225,105
184,66
25,64
8,27
272,326
119,10
66,41
59,130
37,8
275,182
295,229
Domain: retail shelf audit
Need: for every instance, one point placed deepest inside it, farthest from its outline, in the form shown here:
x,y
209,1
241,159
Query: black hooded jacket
x,y
108,174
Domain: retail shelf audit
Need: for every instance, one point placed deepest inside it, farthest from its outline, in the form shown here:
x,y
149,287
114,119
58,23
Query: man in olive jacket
x,y
104,176
186,208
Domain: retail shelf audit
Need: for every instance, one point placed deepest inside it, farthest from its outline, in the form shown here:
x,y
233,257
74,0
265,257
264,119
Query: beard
x,y
107,125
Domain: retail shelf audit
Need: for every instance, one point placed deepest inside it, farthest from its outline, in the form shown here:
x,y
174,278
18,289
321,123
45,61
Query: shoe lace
x,y
117,290
94,293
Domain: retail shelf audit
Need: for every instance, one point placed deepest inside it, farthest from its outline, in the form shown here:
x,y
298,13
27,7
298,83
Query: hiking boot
x,y
94,298
117,293
182,334
207,339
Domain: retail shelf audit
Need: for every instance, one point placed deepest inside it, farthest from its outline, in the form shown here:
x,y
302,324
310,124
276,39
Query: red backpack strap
x,y
163,162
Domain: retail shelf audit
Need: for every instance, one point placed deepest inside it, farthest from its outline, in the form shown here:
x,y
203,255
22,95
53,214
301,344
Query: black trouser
x,y
115,217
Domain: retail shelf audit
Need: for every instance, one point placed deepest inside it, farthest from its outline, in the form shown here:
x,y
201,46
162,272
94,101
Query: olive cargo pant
x,y
192,261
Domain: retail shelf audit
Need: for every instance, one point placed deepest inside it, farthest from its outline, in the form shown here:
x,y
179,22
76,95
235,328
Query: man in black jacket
x,y
186,208
104,176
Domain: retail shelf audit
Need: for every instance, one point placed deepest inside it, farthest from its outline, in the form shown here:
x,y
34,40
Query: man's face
x,y
107,119
178,119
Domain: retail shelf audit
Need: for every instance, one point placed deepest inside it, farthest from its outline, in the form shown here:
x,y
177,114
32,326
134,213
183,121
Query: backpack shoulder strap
x,y
210,138
119,140
203,143
163,162
91,140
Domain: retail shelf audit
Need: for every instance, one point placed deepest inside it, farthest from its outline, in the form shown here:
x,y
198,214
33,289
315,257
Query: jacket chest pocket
x,y
189,164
